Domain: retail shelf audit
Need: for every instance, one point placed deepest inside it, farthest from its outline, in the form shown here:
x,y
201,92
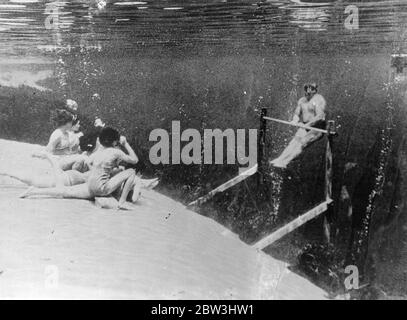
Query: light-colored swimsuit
x,y
104,161
66,150
63,147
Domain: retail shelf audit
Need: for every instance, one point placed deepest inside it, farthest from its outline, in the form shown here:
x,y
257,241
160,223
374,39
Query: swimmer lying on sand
x,y
101,182
77,175
68,177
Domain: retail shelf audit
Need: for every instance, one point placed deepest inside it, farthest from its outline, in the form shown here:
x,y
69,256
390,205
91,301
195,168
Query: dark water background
x,y
214,64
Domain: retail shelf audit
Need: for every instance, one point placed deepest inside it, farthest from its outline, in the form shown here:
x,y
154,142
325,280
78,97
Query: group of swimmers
x,y
85,166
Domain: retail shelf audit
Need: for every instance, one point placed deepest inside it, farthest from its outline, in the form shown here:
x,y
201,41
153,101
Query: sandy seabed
x,y
71,249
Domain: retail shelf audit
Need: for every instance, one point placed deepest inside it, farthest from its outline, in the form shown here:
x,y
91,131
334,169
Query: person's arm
x,y
131,157
117,170
89,161
297,113
75,142
320,105
52,144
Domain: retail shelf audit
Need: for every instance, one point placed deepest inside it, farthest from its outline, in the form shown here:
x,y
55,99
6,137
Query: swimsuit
x,y
64,145
97,183
104,162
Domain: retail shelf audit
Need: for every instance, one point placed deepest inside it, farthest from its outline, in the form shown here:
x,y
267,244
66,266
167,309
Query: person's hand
x,y
123,140
99,123
72,104
41,154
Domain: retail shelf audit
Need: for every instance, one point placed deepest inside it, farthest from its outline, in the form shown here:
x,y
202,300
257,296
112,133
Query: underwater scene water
x,y
215,64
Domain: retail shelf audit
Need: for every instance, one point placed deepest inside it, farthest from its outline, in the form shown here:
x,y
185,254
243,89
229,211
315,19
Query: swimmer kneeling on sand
x,y
101,182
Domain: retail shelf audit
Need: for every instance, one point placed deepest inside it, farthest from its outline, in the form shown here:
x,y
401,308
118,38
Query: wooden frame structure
x,y
319,209
259,168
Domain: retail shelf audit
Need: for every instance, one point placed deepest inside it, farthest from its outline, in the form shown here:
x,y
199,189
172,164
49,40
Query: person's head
x,y
109,137
63,119
310,90
87,142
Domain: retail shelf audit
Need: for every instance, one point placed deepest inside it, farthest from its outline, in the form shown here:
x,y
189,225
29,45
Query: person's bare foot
x,y
124,206
41,154
150,184
136,192
280,165
26,193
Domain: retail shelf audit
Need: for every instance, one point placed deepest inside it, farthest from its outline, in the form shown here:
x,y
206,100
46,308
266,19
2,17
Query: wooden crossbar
x,y
294,224
299,125
244,175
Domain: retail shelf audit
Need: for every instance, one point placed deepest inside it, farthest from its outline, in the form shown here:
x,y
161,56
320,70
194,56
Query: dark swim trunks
x,y
308,136
321,124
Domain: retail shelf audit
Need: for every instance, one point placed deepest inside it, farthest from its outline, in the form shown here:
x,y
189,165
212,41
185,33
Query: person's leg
x,y
311,137
303,142
39,181
149,183
115,182
129,184
136,188
80,191
295,151
293,147
61,179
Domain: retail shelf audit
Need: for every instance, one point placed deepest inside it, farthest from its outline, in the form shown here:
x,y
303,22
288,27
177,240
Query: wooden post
x,y
228,184
291,226
328,179
261,146
298,125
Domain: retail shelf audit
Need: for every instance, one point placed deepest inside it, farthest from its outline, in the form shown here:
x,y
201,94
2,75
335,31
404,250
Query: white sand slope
x,y
70,249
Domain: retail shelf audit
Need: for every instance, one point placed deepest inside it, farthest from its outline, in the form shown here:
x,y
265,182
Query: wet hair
x,y
108,136
87,142
62,117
